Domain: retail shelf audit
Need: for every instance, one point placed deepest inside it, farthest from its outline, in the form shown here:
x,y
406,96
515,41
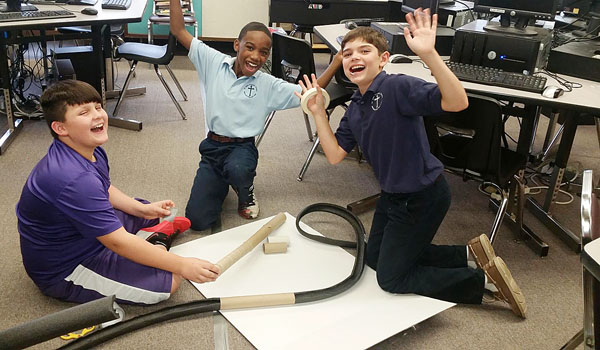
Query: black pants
x,y
400,248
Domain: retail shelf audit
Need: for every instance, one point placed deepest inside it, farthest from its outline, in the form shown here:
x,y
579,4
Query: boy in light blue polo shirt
x,y
237,100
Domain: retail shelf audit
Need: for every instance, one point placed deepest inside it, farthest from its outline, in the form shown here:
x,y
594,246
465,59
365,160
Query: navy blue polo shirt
x,y
387,124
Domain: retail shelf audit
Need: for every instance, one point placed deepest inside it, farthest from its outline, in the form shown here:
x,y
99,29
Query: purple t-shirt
x,y
64,206
387,124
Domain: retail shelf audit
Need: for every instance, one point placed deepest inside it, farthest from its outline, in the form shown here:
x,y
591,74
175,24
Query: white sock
x,y
470,260
489,286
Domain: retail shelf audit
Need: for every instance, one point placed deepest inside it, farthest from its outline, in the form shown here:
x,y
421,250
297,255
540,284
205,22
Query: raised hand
x,y
420,35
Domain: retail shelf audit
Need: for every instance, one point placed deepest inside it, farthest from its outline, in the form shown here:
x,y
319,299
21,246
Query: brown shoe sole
x,y
481,249
499,274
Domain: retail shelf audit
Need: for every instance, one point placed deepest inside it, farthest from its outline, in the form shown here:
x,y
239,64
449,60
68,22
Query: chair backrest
x,y
590,210
469,141
291,58
343,80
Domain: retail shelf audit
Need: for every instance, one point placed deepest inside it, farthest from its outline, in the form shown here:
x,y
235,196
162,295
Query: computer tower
x,y
394,35
81,58
512,53
577,59
455,14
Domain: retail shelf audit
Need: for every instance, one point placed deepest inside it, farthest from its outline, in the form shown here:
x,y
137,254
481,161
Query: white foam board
x,y
356,319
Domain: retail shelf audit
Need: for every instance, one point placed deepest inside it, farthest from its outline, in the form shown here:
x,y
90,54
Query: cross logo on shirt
x,y
377,101
250,90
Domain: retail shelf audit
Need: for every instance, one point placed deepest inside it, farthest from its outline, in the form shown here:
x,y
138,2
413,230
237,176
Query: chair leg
x,y
315,145
308,128
185,98
162,80
499,215
125,86
267,123
150,34
313,150
552,142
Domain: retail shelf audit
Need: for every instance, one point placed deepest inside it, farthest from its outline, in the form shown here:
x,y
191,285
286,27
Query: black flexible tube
x,y
165,314
359,262
214,304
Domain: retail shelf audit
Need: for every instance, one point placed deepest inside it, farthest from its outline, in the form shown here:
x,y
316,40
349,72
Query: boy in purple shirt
x,y
385,120
76,227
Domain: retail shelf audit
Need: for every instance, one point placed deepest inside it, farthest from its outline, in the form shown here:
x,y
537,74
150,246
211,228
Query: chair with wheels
x,y
160,16
293,58
590,258
155,55
469,143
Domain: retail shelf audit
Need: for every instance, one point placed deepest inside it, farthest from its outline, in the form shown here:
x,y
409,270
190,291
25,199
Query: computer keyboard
x,y
33,15
497,77
116,4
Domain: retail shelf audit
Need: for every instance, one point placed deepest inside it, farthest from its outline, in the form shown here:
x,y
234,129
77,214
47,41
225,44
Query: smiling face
x,y
362,62
84,128
252,53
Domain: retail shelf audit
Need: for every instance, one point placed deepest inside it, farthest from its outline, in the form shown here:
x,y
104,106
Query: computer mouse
x,y
89,11
350,25
552,91
398,58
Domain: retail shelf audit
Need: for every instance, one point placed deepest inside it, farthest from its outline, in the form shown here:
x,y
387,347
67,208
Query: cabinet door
x,y
225,18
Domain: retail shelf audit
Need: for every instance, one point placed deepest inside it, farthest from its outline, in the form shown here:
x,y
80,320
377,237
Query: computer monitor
x,y
519,10
11,6
575,7
409,6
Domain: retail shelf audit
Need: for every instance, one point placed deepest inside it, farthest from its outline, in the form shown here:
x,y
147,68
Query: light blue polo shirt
x,y
237,107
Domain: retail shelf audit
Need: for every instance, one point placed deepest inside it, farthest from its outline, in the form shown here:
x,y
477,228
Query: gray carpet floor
x,y
160,162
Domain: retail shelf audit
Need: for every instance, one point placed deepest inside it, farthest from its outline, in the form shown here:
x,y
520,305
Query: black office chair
x,y
469,144
590,230
293,58
155,55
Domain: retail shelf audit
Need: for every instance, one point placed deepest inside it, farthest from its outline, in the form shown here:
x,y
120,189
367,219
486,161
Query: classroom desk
x,y
582,100
8,36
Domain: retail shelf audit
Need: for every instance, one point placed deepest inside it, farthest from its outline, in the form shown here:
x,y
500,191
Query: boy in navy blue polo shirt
x,y
237,97
77,230
385,120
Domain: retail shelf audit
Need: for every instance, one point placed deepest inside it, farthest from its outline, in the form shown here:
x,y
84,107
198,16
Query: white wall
x,y
225,18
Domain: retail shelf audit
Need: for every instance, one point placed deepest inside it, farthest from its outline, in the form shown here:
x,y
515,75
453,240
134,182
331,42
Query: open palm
x,y
421,32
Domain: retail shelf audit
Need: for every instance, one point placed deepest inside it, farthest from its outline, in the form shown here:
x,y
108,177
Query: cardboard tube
x,y
272,248
229,303
249,244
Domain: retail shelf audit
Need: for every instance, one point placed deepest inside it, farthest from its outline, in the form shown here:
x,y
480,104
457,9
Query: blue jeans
x,y
400,249
222,165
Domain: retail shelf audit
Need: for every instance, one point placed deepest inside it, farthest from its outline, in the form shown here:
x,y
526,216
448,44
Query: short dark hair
x,y
65,93
369,35
254,26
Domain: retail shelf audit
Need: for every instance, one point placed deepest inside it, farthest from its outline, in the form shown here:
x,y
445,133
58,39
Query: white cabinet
x,y
225,18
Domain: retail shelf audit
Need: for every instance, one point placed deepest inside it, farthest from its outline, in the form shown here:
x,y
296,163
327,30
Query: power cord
x,y
568,85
